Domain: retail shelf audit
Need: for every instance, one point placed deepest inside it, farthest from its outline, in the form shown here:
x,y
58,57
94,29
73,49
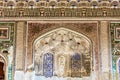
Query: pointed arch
x,y
62,28
46,44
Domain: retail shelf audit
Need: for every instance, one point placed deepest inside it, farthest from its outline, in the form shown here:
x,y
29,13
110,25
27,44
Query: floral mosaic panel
x,y
115,43
76,65
6,42
6,35
48,65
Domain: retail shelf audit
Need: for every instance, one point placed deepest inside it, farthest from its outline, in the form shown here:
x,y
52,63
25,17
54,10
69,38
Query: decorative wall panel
x,y
115,47
88,29
76,63
6,45
8,29
48,65
4,33
72,51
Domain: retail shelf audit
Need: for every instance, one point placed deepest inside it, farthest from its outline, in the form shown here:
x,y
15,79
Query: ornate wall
x,y
29,32
26,21
7,38
71,54
89,29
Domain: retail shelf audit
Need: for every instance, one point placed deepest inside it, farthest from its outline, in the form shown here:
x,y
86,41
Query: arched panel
x,y
48,65
70,50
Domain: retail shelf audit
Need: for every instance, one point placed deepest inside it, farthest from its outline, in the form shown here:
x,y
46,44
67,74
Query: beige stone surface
x,y
105,76
19,45
104,50
104,46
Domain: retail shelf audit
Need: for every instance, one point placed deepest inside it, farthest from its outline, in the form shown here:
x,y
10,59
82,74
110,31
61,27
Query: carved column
x,y
19,72
104,50
19,46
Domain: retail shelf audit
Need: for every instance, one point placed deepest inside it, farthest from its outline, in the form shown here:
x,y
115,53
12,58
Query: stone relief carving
x,y
63,44
115,48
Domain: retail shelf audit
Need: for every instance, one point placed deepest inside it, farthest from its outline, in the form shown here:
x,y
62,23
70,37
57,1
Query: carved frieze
x,y
72,8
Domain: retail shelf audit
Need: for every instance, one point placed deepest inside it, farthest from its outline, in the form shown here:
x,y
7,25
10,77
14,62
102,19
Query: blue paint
x,y
76,56
48,65
75,64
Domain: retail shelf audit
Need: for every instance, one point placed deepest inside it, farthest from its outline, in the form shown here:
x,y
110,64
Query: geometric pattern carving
x,y
66,12
67,8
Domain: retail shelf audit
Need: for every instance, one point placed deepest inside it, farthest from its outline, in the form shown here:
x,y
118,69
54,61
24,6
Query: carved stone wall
x,y
105,54
89,29
67,53
58,8
6,47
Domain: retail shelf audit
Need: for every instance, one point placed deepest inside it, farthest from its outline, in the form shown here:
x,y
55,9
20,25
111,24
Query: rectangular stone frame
x,y
7,33
88,28
117,33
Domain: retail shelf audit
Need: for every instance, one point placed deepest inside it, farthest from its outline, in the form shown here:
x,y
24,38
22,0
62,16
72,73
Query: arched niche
x,y
119,66
4,62
63,43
